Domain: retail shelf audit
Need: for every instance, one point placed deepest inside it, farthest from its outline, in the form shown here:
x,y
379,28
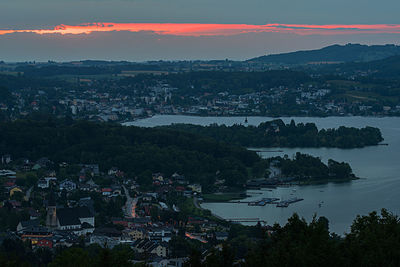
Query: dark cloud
x,y
149,46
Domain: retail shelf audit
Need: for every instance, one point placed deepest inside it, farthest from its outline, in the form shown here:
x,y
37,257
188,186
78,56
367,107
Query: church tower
x,y
51,218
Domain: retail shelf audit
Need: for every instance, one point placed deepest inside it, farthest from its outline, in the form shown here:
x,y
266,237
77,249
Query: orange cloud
x,y
197,29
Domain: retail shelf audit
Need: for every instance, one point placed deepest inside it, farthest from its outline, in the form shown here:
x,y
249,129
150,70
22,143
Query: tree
x,y
72,257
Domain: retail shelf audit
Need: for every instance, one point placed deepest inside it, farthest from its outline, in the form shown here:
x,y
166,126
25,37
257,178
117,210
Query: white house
x,y
67,185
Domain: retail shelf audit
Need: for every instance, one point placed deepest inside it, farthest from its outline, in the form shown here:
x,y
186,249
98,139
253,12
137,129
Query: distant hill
x,y
332,54
388,68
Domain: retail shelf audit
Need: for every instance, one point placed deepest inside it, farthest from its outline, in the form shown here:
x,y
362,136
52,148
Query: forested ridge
x,y
134,150
278,134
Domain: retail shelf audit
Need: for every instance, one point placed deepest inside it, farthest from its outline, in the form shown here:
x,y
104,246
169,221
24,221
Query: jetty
x,y
286,203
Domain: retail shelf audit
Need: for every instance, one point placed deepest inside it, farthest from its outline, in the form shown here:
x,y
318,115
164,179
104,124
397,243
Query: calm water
x,y
379,167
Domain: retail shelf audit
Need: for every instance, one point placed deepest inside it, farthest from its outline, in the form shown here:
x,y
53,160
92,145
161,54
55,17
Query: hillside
x,y
333,53
388,68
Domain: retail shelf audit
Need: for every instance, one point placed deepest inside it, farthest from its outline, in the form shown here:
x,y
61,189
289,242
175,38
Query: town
x,y
78,204
126,95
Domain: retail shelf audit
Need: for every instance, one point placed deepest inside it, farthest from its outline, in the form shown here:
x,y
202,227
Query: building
x,y
106,191
195,188
5,159
23,225
151,247
221,236
137,233
45,182
160,234
35,234
42,183
75,219
7,173
14,190
67,185
51,216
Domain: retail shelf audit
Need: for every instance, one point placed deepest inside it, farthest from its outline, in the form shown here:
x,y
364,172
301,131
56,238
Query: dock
x,y
286,203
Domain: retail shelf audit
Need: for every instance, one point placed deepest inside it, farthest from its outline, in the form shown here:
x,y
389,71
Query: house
x,y
180,179
51,173
92,184
92,169
117,190
7,173
33,214
44,162
221,236
147,198
176,262
84,187
23,225
137,233
113,171
160,234
9,184
5,159
82,177
187,193
14,189
106,191
44,243
193,220
132,222
67,185
195,188
150,247
13,203
42,183
103,241
109,232
45,182
75,219
35,233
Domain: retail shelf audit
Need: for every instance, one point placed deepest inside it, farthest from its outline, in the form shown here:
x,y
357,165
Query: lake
x,y
378,166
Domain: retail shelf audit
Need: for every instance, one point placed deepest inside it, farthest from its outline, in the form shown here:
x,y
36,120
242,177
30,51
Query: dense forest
x,y
306,168
136,151
372,241
278,134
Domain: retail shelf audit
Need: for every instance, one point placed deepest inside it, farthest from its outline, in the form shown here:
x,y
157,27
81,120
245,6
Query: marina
x,y
272,201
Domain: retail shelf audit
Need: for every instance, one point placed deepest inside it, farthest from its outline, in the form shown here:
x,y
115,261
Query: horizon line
x,y
209,29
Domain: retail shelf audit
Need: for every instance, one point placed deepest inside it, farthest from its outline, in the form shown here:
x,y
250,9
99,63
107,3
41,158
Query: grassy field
x,y
223,197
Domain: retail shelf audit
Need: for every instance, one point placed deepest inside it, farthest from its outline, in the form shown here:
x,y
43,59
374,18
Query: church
x,y
79,220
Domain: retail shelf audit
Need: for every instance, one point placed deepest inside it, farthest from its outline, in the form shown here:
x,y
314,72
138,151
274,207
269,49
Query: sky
x,y
140,30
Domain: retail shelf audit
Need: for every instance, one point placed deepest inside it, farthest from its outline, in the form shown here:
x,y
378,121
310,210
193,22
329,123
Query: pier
x,y
265,201
246,220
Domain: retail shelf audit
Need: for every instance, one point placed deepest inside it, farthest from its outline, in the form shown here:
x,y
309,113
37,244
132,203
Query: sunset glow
x,y
193,29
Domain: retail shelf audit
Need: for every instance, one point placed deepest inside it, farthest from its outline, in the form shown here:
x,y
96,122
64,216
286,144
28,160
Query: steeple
x,y
51,217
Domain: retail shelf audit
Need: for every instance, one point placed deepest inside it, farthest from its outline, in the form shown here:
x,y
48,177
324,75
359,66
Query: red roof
x,y
106,190
9,184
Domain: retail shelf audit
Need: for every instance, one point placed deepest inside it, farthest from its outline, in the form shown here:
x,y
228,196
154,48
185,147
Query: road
x,y
28,193
130,205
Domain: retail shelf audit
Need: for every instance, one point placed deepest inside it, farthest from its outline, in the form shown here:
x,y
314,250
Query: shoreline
x,y
258,116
